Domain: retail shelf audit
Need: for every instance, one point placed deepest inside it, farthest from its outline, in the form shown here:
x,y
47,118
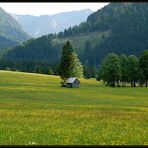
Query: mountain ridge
x,y
45,24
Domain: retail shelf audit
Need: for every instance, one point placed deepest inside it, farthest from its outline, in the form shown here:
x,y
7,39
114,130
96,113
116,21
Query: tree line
x,y
115,70
29,66
122,70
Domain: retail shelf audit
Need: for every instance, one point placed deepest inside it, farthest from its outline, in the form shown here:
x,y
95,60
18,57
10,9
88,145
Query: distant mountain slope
x,y
11,33
45,24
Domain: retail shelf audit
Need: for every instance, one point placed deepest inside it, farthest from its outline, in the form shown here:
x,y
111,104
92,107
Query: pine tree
x,y
70,65
65,61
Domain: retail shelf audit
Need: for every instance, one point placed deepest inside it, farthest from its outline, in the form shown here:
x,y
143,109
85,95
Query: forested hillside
x,y
26,56
118,28
11,33
127,25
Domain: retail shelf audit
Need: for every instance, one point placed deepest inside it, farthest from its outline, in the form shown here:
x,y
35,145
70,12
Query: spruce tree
x,y
70,66
65,61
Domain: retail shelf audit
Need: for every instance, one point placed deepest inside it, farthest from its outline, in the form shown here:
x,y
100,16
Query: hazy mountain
x,y
45,24
11,32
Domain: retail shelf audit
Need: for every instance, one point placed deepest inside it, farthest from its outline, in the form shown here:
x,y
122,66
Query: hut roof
x,y
71,80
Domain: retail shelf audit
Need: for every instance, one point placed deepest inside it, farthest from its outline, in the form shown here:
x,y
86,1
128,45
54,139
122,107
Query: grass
x,y
34,109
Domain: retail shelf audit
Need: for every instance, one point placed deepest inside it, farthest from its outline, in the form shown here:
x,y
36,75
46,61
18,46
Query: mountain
x,y
41,25
11,32
117,27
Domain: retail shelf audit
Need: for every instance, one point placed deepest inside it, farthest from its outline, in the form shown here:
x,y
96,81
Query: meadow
x,y
35,110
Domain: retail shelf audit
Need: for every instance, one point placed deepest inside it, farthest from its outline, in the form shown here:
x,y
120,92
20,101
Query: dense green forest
x,y
117,27
34,52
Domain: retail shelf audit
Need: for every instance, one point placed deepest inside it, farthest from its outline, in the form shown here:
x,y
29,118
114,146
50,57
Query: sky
x,y
48,8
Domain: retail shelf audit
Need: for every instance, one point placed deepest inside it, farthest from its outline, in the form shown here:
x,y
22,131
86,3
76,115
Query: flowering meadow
x,y
35,110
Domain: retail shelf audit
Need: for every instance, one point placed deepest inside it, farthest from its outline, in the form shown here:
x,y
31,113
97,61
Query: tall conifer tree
x,y
70,66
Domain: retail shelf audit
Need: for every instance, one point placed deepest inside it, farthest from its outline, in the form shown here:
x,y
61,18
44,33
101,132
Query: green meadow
x,y
35,110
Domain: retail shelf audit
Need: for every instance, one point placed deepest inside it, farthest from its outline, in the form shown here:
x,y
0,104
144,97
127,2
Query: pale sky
x,y
48,8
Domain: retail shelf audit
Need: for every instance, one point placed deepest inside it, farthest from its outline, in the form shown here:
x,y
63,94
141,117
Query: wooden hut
x,y
72,82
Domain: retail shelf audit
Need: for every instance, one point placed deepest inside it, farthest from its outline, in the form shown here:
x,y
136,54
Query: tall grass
x,y
35,110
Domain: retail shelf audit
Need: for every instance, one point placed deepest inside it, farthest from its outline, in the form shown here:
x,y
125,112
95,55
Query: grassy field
x,y
34,109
